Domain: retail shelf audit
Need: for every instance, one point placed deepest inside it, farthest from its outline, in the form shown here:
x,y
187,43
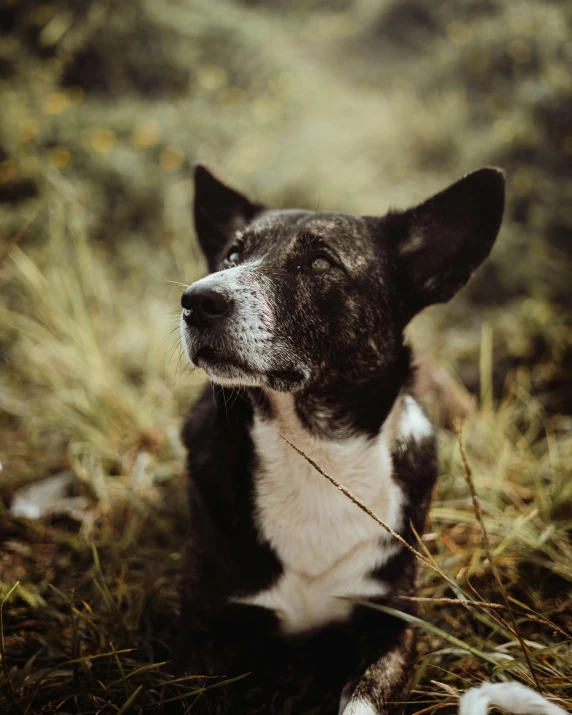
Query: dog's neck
x,y
338,407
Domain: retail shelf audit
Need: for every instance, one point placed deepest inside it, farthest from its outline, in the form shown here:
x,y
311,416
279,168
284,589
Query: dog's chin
x,y
229,371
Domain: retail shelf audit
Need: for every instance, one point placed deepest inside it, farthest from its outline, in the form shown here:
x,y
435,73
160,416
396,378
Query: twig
x,y
363,507
485,604
486,544
426,560
453,601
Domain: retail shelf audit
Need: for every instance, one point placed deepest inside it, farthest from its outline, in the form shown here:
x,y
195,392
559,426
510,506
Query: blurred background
x,y
353,105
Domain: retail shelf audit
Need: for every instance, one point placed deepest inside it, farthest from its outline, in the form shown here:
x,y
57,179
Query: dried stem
x,y
486,544
363,507
453,601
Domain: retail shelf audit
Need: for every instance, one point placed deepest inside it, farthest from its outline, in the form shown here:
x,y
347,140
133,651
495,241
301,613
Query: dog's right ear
x,y
219,212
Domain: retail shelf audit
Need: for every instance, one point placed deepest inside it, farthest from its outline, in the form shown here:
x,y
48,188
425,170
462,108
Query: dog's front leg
x,y
383,685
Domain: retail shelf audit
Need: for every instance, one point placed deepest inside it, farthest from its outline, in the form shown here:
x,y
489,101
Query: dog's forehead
x,y
285,229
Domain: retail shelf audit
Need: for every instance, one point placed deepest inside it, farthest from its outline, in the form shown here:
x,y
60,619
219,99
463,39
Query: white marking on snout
x,y
249,332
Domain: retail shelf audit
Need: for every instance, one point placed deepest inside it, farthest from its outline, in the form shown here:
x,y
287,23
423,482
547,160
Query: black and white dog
x,y
301,322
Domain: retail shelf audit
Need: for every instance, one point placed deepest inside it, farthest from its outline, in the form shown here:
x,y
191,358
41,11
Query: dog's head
x,y
294,295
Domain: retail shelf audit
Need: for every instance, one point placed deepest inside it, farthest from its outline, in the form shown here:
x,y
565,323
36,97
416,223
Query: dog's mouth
x,y
208,357
220,365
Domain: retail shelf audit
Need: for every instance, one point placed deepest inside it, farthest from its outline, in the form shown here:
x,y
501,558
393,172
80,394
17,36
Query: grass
x,y
90,625
91,383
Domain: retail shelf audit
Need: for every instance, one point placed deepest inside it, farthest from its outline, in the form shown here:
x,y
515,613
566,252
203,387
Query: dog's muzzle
x,y
203,305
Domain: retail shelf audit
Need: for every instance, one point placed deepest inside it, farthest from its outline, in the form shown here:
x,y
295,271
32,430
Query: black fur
x,y
336,344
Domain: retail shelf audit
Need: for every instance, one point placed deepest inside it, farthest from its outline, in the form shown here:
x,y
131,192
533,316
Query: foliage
x,y
347,105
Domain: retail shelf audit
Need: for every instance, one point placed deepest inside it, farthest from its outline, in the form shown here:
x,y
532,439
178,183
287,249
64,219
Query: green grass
x,y
336,108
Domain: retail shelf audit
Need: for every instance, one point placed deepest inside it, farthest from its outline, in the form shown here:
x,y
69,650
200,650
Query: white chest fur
x,y
328,546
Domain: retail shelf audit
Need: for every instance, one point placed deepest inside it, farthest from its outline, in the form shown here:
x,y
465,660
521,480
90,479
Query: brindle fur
x,y
334,340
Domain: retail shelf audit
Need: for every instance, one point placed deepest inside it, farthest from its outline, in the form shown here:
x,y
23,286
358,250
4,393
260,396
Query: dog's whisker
x,y
177,283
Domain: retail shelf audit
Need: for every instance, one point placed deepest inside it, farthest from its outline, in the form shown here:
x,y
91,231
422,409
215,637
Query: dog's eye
x,y
233,255
320,264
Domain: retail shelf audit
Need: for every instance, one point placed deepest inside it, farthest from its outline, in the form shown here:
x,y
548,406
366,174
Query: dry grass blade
x,y
434,708
72,661
452,601
485,536
532,656
122,679
129,702
427,560
364,508
487,604
414,620
199,690
142,669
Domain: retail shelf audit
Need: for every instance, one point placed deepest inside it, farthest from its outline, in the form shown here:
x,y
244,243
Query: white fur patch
x,y
512,697
414,424
346,694
328,546
359,707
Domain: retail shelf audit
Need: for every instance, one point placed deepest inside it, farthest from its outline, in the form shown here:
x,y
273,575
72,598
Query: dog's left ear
x,y
219,212
437,245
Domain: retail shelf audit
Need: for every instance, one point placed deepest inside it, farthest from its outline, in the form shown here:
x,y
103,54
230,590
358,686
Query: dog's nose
x,y
204,305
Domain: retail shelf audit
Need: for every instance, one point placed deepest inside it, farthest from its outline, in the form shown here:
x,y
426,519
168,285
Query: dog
x,y
300,329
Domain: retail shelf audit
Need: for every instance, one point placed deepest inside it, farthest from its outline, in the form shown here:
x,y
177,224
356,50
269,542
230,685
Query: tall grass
x,y
94,388
94,350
